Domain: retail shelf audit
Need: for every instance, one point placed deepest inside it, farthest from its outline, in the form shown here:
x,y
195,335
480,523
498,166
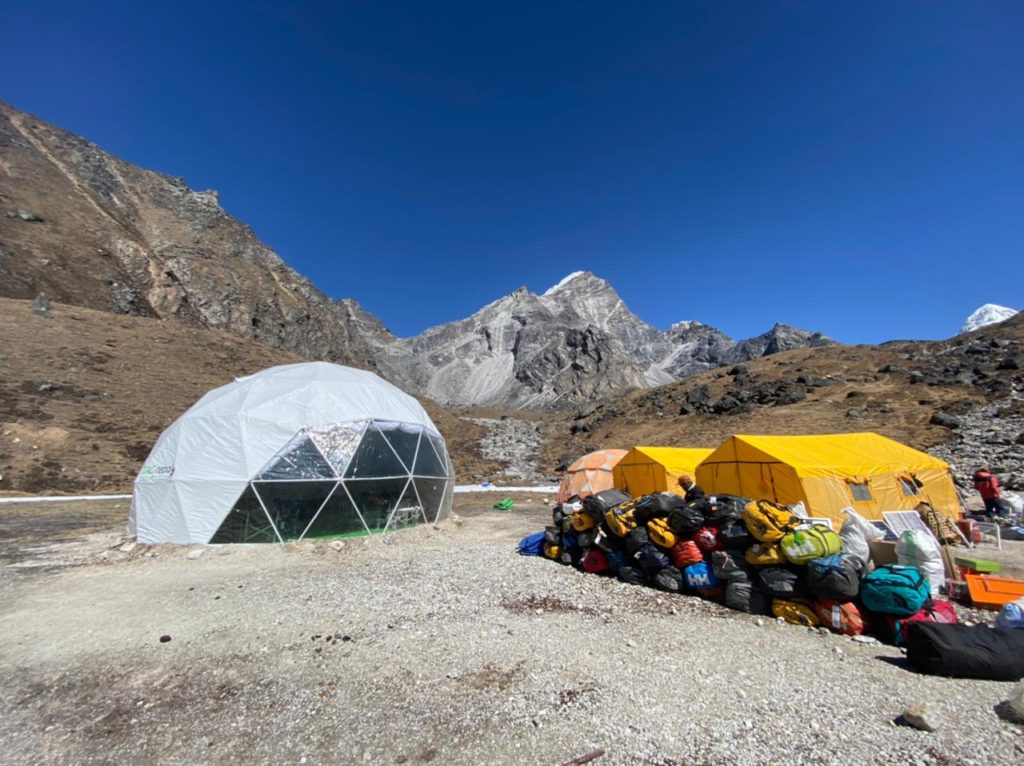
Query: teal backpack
x,y
895,589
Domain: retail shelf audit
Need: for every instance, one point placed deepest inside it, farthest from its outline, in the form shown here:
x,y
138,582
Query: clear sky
x,y
855,168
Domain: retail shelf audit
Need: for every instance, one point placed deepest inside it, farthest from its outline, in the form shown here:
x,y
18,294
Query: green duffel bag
x,y
803,545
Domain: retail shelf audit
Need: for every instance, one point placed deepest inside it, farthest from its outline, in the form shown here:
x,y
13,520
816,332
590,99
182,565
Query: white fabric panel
x,y
201,463
205,504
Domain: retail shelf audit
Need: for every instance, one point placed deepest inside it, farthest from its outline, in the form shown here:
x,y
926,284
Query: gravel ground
x,y
438,645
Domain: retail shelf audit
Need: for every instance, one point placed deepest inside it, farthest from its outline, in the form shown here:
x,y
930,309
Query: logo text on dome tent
x,y
158,471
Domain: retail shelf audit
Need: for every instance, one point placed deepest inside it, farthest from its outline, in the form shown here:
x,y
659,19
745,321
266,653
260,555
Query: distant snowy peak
x,y
565,280
988,314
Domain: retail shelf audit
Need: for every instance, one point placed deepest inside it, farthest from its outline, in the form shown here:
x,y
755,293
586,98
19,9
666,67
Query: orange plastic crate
x,y
992,592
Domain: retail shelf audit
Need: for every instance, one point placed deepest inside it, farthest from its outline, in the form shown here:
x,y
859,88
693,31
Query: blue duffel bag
x,y
532,545
895,589
700,577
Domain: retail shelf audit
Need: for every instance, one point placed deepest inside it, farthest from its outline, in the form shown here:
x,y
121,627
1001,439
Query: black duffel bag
x,y
632,575
656,506
636,540
607,542
597,505
780,582
670,579
722,509
687,520
734,534
747,597
836,576
651,559
962,651
730,565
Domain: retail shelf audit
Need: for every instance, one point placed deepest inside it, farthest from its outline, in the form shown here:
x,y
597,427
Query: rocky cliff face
x,y
523,350
89,229
693,348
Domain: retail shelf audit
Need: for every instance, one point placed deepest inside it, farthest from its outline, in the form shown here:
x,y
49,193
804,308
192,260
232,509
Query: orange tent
x,y
590,474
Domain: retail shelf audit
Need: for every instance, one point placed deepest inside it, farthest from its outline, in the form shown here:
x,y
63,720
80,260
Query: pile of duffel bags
x,y
752,555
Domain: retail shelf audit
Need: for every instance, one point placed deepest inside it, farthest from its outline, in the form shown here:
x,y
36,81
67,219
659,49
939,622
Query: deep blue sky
x,y
855,168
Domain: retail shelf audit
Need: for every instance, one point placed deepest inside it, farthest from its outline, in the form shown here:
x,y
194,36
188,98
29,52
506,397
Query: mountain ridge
x,y
90,229
575,342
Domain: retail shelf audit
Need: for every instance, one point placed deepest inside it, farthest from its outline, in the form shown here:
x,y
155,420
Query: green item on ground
x,y
505,504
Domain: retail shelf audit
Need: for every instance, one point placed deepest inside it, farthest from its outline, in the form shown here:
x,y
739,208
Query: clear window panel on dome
x,y
246,522
338,517
338,443
427,461
375,499
442,454
375,458
404,439
431,493
300,459
409,511
293,504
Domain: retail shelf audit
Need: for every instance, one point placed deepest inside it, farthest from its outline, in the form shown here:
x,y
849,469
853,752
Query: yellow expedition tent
x,y
644,470
830,472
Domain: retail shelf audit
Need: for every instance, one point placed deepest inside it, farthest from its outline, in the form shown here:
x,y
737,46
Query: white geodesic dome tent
x,y
293,452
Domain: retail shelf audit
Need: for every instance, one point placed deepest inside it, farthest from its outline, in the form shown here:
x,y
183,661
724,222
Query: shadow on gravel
x,y
899,662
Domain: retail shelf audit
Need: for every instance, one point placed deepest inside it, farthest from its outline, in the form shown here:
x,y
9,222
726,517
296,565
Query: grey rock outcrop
x,y
694,348
780,338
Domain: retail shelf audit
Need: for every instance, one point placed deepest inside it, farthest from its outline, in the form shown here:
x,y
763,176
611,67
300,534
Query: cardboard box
x,y
883,552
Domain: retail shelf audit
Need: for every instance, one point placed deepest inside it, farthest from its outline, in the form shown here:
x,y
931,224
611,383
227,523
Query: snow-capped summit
x,y
565,280
988,314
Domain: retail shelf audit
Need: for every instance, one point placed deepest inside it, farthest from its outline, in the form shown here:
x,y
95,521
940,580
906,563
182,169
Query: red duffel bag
x,y
595,562
686,553
936,610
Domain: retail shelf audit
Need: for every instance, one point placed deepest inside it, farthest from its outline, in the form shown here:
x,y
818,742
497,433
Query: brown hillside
x,y
894,389
84,394
89,229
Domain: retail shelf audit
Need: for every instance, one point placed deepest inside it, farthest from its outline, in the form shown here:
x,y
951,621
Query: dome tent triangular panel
x,y
300,459
375,457
428,463
404,441
197,481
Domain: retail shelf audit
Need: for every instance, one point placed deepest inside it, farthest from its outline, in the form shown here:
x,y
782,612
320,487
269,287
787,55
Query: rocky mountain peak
x,y
781,337
576,280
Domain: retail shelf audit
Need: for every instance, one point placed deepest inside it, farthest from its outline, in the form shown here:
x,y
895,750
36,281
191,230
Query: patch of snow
x,y
686,324
564,282
462,488
988,314
62,498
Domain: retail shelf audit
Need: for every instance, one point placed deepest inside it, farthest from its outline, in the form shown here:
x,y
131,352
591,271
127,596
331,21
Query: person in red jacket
x,y
988,487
